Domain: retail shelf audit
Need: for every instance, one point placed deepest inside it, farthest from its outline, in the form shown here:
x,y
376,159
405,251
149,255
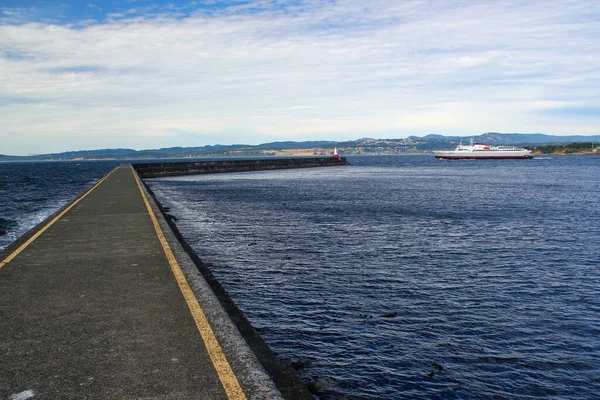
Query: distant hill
x,y
9,158
516,139
523,139
411,144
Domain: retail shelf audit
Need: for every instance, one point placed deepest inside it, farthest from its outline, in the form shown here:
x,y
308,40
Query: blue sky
x,y
146,74
76,12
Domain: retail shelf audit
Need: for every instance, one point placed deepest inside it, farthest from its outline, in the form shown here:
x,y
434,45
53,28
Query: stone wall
x,y
155,170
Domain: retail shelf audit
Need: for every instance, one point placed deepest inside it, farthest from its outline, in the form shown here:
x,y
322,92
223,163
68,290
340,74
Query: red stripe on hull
x,y
484,157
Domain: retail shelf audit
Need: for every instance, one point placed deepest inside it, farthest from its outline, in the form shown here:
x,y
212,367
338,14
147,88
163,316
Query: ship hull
x,y
487,155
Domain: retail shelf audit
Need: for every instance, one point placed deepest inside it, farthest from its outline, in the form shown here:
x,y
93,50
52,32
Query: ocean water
x,y
410,277
32,191
397,277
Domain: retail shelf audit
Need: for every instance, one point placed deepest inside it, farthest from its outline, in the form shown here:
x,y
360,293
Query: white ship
x,y
481,151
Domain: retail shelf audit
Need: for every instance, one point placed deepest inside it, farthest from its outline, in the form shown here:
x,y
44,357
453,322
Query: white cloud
x,y
332,70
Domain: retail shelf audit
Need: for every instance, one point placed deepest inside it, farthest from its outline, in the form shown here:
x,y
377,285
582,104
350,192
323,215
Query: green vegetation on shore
x,y
571,148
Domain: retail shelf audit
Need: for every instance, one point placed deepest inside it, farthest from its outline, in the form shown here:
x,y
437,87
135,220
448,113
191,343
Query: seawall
x,y
159,169
102,300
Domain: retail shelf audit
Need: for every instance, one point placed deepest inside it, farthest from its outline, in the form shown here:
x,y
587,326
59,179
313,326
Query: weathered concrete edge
x,y
228,321
280,379
179,168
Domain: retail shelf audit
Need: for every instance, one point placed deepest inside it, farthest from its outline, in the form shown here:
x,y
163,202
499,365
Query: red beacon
x,y
335,154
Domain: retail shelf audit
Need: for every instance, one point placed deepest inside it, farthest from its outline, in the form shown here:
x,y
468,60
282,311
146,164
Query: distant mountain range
x,y
412,144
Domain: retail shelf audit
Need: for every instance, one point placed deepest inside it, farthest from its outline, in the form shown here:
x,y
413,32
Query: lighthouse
x,y
335,154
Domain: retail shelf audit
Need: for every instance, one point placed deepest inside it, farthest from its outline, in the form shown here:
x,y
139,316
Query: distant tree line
x,y
570,148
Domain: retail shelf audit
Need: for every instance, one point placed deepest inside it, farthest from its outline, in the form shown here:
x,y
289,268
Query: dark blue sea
x,y
410,277
32,191
402,277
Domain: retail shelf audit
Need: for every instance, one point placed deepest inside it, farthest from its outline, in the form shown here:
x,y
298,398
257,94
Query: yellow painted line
x,y
228,379
49,224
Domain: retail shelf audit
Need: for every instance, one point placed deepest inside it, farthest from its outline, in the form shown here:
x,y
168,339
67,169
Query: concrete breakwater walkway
x,y
102,302
154,170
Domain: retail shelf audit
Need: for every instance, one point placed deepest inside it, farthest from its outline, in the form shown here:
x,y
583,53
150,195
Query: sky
x,y
143,74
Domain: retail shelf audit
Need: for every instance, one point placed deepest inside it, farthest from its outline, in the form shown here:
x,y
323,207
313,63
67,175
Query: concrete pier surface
x,y
101,301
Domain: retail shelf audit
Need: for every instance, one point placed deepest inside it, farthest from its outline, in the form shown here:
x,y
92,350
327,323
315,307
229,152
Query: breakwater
x,y
126,283
159,169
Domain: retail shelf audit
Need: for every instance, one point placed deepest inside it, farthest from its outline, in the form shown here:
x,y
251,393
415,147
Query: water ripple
x,y
403,277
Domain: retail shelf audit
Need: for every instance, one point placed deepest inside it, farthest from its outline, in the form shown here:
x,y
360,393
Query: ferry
x,y
479,151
